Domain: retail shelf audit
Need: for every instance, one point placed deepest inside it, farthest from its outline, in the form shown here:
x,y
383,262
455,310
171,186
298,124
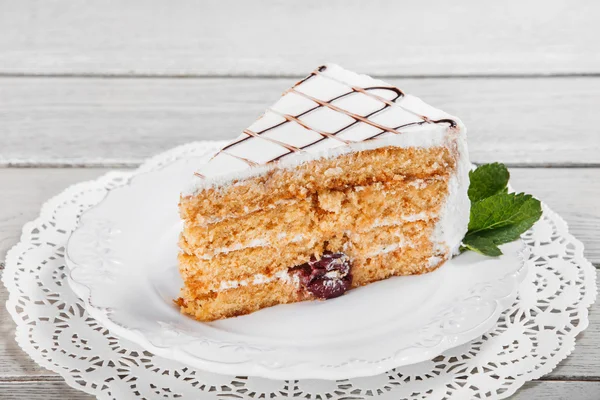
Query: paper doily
x,y
528,341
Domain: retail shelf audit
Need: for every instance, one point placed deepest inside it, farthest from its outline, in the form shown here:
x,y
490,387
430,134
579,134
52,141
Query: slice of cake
x,y
346,180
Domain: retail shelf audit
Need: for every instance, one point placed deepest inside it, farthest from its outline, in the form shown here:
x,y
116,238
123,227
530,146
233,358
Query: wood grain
x,y
23,193
229,37
40,391
584,362
86,121
558,391
571,192
546,390
14,362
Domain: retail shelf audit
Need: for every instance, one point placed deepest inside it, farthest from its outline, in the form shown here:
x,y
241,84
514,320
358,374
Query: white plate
x,y
123,264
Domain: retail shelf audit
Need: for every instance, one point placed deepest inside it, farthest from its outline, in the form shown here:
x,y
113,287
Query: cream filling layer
x,y
252,244
260,279
247,210
286,277
422,216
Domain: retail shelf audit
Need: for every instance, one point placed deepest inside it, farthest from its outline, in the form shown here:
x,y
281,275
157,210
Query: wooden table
x,y
89,86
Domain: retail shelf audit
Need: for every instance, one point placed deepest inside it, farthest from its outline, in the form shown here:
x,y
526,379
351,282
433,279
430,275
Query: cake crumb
x,y
331,200
333,171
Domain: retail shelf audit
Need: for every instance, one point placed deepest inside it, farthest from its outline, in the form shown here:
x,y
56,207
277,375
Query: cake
x,y
344,181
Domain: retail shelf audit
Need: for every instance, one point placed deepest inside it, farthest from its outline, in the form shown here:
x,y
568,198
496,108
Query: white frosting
x,y
388,248
454,215
224,168
250,156
434,261
235,247
334,275
263,242
422,216
332,82
260,279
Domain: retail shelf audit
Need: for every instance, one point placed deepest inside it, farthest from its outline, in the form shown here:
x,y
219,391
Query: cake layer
x,y
353,169
243,264
320,215
410,260
239,301
208,275
279,225
252,297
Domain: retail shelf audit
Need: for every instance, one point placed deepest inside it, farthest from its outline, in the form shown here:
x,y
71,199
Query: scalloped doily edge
x,y
52,203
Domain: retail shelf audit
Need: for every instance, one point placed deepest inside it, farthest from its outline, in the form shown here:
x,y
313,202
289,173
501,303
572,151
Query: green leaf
x,y
503,217
487,180
497,217
482,245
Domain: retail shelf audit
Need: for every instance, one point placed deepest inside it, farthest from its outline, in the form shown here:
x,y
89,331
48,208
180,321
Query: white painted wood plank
x,y
41,391
218,37
545,390
571,192
584,362
83,121
567,191
558,391
14,362
23,193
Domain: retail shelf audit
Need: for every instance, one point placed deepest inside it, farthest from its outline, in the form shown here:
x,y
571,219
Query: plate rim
x,y
304,370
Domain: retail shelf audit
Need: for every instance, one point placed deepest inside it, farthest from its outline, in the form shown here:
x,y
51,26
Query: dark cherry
x,y
325,288
313,275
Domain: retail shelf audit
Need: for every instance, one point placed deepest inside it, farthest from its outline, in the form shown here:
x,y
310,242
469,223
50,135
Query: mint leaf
x,y
482,245
496,217
500,219
508,213
487,180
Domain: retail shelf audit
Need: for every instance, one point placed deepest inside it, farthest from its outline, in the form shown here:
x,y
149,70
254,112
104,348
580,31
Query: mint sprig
x,y
487,180
497,217
481,245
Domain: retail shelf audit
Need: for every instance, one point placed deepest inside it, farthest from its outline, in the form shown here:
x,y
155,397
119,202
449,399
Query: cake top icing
x,y
330,112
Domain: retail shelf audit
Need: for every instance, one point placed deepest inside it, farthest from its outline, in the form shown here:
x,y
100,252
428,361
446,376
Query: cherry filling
x,y
327,277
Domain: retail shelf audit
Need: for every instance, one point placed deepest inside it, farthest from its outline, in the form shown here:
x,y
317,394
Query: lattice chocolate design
x,y
329,104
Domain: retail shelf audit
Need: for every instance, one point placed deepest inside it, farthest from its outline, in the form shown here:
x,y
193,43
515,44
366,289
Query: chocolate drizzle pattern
x,y
285,145
353,90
